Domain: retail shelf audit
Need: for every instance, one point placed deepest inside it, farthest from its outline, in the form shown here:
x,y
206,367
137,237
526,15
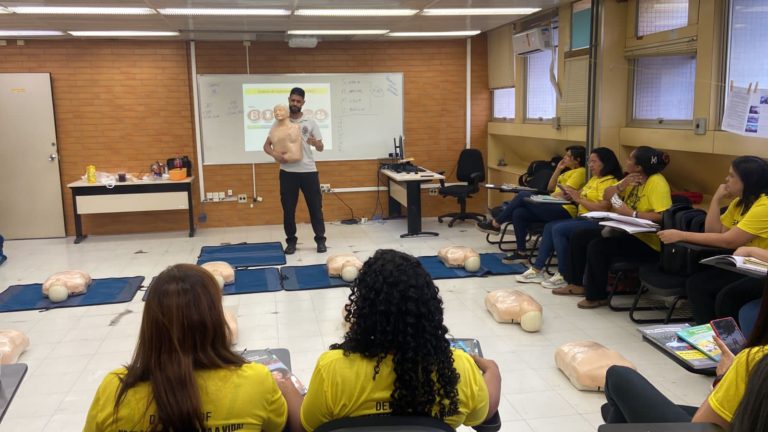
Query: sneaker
x,y
290,249
555,281
530,276
514,257
321,248
487,227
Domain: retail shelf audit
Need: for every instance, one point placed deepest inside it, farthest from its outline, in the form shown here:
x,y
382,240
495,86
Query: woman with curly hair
x,y
395,357
183,375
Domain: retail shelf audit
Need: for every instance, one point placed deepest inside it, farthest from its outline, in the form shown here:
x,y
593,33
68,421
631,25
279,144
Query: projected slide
x,y
260,99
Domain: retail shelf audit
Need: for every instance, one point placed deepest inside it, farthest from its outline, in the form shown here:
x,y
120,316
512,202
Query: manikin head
x,y
281,112
296,100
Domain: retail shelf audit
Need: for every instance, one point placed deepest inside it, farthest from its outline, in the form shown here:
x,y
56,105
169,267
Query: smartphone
x,y
469,346
727,330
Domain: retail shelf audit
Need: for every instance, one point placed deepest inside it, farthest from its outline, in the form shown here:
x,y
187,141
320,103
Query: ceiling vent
x,y
302,41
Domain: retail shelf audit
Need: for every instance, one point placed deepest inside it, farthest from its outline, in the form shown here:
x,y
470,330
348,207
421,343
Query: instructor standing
x,y
301,175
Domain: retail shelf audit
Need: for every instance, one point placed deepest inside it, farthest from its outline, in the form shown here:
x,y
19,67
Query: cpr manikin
x,y
222,271
512,306
346,266
585,363
12,344
285,136
59,286
460,256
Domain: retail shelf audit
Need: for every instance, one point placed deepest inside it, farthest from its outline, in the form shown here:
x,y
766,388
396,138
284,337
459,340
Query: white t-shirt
x,y
307,163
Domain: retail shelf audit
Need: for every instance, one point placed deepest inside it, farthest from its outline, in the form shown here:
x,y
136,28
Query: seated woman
x,y
643,193
632,399
746,293
183,375
395,358
745,223
606,171
523,213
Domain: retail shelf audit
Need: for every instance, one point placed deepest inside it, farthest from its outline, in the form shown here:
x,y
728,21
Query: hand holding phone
x,y
728,331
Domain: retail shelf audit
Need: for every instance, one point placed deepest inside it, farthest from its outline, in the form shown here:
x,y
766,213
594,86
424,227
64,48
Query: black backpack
x,y
2,257
538,174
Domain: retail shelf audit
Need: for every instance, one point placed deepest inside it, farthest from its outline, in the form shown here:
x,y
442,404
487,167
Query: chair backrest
x,y
385,423
679,258
537,175
470,162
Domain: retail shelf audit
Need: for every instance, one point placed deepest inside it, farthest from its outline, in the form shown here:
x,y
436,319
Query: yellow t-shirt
x,y
592,191
245,398
574,178
343,387
754,222
652,196
726,397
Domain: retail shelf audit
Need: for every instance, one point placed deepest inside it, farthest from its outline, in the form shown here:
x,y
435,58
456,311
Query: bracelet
x,y
634,214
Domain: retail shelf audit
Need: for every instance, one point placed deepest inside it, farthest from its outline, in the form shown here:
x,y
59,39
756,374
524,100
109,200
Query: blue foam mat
x,y
315,276
248,281
244,255
101,291
490,264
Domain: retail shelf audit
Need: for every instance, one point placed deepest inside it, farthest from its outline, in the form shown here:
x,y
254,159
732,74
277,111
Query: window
x,y
747,54
663,88
581,23
655,16
504,103
540,98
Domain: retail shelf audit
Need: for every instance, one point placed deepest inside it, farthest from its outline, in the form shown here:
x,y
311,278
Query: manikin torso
x,y
285,136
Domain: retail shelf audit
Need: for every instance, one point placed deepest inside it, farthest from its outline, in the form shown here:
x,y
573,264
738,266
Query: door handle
x,y
52,157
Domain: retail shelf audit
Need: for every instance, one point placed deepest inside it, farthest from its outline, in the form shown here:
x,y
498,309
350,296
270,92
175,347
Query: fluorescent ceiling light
x,y
355,12
479,11
123,33
28,33
77,10
4,10
224,11
336,32
434,34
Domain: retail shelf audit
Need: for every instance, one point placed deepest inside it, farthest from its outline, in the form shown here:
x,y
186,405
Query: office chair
x,y
471,170
391,423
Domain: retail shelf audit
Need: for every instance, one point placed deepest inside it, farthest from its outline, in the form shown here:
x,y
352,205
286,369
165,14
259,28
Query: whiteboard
x,y
367,113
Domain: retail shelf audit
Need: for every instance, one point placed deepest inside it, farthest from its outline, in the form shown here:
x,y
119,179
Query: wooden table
x,y
405,189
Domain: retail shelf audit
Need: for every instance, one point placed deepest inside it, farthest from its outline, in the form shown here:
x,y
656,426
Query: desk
x,y
405,189
10,380
136,196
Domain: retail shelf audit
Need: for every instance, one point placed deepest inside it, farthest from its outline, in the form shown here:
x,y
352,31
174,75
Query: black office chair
x,y
471,170
390,423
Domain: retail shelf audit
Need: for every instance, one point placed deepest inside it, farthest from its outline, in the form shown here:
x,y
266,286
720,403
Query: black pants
x,y
309,184
577,256
632,399
716,293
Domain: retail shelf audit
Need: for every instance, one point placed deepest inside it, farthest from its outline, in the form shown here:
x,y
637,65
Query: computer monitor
x,y
399,149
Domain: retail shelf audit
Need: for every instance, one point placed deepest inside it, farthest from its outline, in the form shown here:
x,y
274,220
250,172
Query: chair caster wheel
x,y
440,220
450,224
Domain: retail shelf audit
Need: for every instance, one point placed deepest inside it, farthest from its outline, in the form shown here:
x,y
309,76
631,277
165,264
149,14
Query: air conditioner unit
x,y
532,41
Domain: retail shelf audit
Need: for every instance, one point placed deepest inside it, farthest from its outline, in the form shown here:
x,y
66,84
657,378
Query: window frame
x,y
656,124
636,30
541,120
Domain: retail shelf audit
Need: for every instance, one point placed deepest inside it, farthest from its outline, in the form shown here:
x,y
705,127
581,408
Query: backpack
x,y
537,175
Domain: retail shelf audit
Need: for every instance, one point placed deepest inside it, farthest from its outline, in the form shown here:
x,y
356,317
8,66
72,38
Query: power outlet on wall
x,y
432,191
325,188
241,198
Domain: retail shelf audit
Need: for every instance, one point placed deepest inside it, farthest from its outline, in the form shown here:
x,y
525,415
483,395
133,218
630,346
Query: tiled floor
x,y
73,348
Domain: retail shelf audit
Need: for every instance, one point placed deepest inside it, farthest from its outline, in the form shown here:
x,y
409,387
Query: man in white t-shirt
x,y
301,175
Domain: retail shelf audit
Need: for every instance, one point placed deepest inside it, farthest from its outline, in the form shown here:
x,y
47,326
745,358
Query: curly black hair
x,y
395,309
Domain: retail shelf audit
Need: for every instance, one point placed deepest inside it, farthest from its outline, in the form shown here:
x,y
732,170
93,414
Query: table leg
x,y
191,212
413,190
79,237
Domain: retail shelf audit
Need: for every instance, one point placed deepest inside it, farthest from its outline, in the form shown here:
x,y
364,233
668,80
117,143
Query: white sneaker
x,y
530,276
555,281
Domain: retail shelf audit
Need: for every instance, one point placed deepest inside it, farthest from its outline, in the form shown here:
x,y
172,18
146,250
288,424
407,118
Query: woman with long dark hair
x,y
395,357
744,223
183,375
606,171
643,193
632,399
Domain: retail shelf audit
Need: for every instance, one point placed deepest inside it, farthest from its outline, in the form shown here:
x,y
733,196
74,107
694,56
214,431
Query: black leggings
x,y
717,293
632,399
